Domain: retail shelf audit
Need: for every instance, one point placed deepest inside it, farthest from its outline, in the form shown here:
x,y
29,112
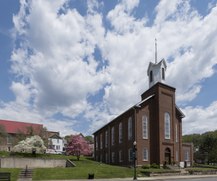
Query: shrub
x,y
147,166
154,165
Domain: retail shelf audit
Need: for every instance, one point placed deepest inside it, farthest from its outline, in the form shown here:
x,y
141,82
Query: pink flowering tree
x,y
78,146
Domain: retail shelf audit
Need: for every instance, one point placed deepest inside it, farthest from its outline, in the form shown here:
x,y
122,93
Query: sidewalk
x,y
148,178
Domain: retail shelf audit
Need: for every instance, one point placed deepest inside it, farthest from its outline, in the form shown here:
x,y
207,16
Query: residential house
x,y
14,131
55,143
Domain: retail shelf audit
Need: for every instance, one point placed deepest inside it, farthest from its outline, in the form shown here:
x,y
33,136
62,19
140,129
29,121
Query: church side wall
x,y
142,143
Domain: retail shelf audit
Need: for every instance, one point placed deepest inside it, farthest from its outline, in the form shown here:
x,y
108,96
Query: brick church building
x,y
154,125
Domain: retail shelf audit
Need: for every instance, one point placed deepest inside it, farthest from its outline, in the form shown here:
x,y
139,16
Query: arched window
x,y
145,154
113,135
120,133
96,139
177,133
163,74
130,129
167,125
106,139
151,76
101,141
144,127
120,156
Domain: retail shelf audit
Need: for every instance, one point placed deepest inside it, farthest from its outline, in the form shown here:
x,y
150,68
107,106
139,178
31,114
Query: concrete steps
x,y
26,174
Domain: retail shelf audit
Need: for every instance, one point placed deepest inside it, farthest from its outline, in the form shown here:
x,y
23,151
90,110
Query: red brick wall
x,y
154,108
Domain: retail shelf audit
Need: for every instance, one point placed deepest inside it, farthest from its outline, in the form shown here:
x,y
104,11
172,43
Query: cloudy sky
x,y
73,65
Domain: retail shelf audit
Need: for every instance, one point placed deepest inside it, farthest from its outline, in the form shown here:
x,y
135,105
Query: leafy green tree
x,y
89,139
3,134
205,146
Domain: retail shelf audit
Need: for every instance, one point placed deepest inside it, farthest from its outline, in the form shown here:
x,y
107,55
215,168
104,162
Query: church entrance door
x,y
167,155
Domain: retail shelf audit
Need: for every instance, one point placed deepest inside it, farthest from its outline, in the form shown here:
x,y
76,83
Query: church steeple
x,y
156,71
155,51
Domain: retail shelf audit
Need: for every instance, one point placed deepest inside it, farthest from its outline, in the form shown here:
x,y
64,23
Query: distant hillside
x,y
205,146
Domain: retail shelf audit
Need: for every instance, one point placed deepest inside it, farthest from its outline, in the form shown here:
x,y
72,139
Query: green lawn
x,y
81,171
14,172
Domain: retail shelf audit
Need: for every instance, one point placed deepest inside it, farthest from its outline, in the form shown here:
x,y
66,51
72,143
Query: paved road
x,y
165,178
198,179
194,179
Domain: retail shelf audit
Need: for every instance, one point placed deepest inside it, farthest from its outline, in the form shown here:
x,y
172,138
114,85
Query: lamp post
x,y
134,160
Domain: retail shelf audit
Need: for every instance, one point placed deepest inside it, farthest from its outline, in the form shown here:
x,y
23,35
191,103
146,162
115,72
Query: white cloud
x,y
56,69
200,119
122,19
21,91
55,57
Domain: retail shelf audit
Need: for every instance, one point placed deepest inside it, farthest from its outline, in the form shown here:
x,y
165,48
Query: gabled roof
x,y
181,114
13,127
154,64
55,136
144,100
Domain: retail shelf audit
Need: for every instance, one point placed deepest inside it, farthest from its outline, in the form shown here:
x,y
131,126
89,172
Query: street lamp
x,y
134,160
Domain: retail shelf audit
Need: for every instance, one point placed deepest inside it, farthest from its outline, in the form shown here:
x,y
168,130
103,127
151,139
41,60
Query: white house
x,y
55,144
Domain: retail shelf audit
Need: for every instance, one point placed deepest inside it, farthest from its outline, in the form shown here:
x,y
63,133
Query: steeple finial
x,y
155,50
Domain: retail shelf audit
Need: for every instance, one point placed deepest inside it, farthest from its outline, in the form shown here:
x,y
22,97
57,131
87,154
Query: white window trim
x,y
120,156
177,155
130,128
106,158
177,134
113,157
97,143
144,127
167,126
120,127
187,155
130,151
113,135
106,139
101,146
147,155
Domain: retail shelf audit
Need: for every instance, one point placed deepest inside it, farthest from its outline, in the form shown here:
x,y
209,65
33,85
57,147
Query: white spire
x,y
155,51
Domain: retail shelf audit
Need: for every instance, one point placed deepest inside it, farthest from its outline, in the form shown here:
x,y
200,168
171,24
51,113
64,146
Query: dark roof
x,y
55,136
138,105
14,127
181,114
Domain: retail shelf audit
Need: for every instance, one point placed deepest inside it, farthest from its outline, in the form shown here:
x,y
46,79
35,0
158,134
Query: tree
x,y
30,131
78,146
89,139
205,146
3,133
32,144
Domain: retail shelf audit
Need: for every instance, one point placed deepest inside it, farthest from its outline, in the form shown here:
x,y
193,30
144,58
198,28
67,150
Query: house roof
x,y
138,105
181,114
13,127
55,136
51,133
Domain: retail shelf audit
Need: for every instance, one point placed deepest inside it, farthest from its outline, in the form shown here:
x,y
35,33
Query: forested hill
x,y
205,146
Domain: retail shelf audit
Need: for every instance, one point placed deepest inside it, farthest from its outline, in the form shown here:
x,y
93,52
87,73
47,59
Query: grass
x,y
81,171
14,172
83,167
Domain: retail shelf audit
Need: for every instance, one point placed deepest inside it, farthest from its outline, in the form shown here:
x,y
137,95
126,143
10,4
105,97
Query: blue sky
x,y
73,65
